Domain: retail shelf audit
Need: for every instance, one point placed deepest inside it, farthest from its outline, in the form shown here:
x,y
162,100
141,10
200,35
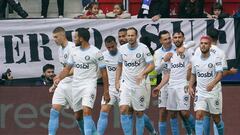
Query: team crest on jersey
x,y
210,65
217,103
138,55
65,56
186,98
182,56
87,57
141,99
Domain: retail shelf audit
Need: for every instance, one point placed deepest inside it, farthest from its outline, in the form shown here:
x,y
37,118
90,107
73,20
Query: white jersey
x,y
206,71
86,63
179,66
63,54
159,55
111,64
214,50
134,61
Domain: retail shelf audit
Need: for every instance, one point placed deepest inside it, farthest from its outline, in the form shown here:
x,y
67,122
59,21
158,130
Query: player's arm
x,y
105,84
102,66
219,75
163,82
118,76
192,80
231,71
64,73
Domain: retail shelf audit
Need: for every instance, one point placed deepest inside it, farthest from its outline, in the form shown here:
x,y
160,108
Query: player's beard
x,y
178,44
113,52
205,50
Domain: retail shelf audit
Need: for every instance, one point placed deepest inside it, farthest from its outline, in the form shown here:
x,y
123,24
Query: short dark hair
x,y
84,33
90,5
162,33
213,33
123,30
132,28
120,5
217,6
58,29
109,39
178,31
47,66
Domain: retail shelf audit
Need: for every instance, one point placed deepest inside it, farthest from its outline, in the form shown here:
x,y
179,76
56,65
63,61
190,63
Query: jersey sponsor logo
x,y
178,65
87,57
101,58
210,65
82,66
204,75
213,51
131,64
110,68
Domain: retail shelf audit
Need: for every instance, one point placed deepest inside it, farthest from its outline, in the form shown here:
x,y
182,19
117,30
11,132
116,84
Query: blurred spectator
x,y
15,5
191,9
47,76
237,14
217,12
118,12
154,9
86,2
45,3
92,11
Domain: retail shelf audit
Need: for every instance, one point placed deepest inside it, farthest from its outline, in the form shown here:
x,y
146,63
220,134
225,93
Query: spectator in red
x,y
191,9
92,11
118,12
45,3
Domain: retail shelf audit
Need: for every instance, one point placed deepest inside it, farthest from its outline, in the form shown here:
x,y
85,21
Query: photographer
x,y
7,77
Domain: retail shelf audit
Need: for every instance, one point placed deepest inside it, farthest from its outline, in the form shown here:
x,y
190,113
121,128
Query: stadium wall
x,y
25,111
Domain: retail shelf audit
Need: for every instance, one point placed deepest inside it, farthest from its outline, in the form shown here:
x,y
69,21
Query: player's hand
x,y
210,86
56,80
191,92
233,70
117,85
106,97
52,88
155,91
181,50
168,56
139,78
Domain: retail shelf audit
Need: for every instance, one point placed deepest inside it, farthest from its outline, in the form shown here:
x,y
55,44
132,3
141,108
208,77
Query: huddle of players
x,y
124,71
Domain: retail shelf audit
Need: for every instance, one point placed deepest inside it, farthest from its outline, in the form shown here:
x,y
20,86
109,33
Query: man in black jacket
x,y
157,9
45,3
16,6
47,76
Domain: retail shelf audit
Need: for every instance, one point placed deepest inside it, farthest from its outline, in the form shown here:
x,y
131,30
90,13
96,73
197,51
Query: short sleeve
x,y
70,61
218,64
100,60
148,55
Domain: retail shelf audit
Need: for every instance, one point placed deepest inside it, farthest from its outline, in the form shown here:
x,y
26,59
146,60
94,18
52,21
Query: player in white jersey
x,y
111,56
178,97
63,92
86,59
214,34
207,72
161,56
135,63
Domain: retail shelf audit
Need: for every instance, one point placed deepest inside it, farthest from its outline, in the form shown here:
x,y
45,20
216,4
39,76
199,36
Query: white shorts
x,y
211,104
178,98
148,94
133,97
162,97
114,97
84,95
63,94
